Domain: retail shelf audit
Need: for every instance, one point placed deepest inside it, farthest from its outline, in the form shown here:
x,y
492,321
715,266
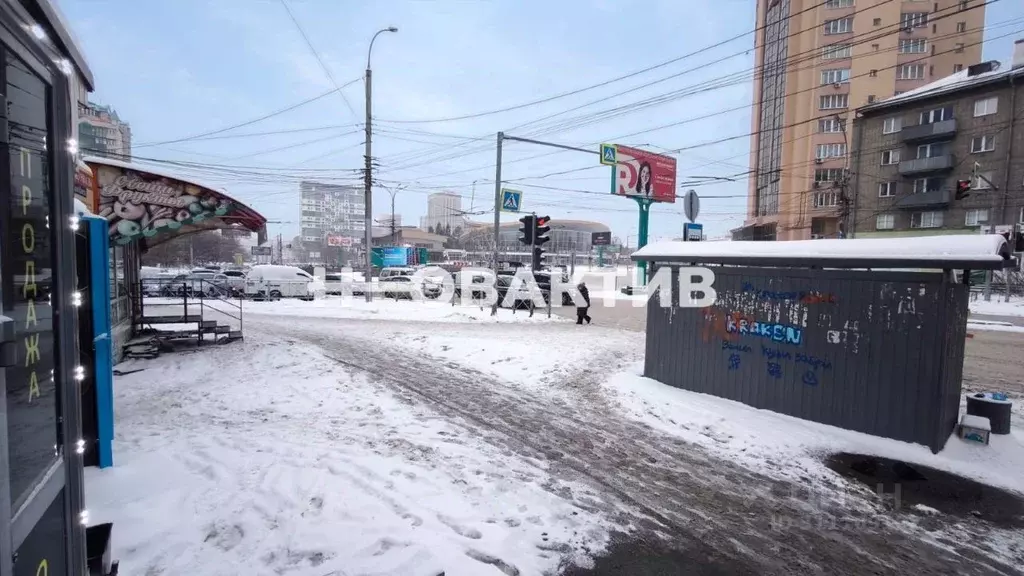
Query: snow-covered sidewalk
x,y
267,458
389,309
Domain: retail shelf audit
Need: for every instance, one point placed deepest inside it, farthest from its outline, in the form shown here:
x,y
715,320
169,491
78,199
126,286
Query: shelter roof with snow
x,y
143,202
981,252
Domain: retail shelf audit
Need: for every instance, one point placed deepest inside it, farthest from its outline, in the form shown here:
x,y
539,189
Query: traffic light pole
x,y
497,190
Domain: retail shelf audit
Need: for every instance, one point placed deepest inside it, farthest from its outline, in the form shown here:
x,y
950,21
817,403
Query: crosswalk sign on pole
x,y
609,154
511,200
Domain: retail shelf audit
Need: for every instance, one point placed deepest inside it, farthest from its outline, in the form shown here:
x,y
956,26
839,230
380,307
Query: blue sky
x,y
176,68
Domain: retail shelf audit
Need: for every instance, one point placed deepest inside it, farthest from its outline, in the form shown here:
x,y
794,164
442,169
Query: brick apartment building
x,y
910,151
819,61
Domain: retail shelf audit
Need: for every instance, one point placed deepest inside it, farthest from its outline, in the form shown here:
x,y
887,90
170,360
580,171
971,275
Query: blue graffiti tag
x,y
734,361
775,353
775,370
777,332
814,361
726,345
810,378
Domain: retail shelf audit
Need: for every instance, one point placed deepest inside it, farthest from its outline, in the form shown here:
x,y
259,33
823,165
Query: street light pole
x,y
368,176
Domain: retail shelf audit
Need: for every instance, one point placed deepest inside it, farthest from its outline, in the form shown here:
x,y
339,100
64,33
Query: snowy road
x,y
719,516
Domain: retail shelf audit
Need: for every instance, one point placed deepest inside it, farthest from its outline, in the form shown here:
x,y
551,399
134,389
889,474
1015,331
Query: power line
x,y
316,54
249,122
598,85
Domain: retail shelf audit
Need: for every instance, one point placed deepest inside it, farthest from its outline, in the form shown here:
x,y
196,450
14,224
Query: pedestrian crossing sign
x,y
511,200
609,153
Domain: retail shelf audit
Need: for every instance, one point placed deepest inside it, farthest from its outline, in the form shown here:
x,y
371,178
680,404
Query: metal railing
x,y
195,295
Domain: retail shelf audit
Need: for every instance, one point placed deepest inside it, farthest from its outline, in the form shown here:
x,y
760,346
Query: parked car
x,y
274,281
235,281
334,283
392,271
407,287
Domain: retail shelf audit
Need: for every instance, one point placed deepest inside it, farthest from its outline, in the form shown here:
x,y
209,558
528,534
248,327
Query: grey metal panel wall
x,y
855,349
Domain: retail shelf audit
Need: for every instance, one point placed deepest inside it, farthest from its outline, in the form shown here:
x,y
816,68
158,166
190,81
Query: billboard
x,y
338,240
262,250
638,173
600,238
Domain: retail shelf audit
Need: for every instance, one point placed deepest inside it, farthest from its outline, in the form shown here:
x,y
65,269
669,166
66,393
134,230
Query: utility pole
x,y
368,176
497,211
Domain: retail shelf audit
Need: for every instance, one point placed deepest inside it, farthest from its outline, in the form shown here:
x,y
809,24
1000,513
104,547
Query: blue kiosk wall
x,y
94,314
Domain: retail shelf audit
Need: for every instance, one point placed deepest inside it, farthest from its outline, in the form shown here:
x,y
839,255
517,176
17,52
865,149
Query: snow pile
x,y
564,349
980,248
997,306
789,447
266,458
389,309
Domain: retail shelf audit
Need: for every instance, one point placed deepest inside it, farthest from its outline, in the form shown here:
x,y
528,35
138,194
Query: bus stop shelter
x,y
866,335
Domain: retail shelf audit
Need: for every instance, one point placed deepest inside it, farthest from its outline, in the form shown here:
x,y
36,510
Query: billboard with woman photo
x,y
642,174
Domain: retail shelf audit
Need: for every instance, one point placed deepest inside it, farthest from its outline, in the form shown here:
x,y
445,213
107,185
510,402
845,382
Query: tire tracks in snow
x,y
721,515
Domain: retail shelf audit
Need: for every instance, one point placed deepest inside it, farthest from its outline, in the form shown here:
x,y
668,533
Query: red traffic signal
x,y
540,230
963,189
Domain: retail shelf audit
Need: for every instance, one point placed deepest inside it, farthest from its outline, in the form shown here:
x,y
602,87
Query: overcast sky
x,y
178,68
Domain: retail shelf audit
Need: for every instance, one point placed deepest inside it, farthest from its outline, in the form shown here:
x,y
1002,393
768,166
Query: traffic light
x,y
527,229
963,189
540,237
540,229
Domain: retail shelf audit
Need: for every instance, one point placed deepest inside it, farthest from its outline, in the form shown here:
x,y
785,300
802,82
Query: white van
x,y
393,271
273,281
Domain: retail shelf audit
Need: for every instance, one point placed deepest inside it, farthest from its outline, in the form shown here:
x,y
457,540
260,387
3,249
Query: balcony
x,y
923,165
936,199
926,132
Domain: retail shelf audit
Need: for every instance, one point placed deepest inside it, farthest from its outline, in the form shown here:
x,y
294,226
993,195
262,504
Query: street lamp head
x,y
392,29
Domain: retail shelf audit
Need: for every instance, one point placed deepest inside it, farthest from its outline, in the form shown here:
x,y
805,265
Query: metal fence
x,y
878,352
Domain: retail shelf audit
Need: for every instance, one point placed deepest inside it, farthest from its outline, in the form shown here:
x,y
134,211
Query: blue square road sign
x,y
511,200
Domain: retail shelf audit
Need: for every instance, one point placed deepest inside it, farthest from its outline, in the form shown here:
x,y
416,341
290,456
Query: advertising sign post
x,y
645,177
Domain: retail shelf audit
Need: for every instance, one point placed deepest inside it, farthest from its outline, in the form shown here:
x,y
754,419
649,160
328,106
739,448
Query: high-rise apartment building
x,y
817,62
330,209
444,213
102,133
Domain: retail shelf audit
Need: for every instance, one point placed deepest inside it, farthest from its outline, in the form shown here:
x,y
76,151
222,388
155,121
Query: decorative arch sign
x,y
139,204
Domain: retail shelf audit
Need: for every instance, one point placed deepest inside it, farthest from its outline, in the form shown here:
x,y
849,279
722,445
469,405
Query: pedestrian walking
x,y
581,311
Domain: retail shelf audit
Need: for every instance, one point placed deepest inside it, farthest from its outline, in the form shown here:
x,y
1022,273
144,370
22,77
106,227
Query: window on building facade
x,y
830,125
890,157
963,5
913,46
835,76
828,175
957,68
961,27
827,199
834,51
976,217
838,3
891,125
926,219
885,221
910,72
981,181
839,26
830,151
932,150
873,73
834,101
936,115
959,47
986,106
913,19
922,185
886,189
985,143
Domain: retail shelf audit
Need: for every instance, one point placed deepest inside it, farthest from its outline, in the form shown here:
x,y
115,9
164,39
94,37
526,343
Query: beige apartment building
x,y
818,62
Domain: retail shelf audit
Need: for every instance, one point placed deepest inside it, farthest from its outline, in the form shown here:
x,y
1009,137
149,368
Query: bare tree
x,y
207,247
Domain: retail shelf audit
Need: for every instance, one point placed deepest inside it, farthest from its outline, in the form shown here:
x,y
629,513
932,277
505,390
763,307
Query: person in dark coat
x,y
581,311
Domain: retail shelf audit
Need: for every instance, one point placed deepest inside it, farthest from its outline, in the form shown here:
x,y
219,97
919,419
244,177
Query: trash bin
x,y
995,407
